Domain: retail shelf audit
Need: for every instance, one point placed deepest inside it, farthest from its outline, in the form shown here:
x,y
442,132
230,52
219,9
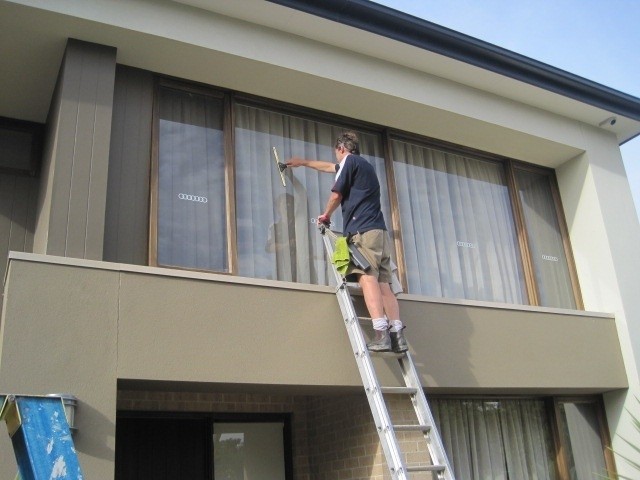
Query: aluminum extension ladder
x,y
439,464
41,437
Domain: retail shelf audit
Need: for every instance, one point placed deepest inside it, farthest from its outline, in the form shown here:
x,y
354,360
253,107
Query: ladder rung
x,y
399,390
426,468
386,354
347,293
412,428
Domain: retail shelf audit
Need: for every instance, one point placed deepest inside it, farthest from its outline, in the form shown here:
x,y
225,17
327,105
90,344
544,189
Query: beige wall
x,y
94,323
605,234
64,342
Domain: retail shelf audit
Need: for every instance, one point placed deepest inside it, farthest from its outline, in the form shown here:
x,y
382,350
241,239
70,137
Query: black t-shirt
x,y
360,190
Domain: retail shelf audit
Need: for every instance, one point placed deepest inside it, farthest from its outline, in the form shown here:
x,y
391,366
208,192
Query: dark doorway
x,y
163,448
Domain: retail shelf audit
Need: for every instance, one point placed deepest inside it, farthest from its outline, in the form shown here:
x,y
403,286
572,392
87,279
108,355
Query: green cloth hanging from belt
x,y
341,255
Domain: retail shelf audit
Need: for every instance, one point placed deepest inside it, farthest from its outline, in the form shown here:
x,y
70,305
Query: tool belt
x,y
357,257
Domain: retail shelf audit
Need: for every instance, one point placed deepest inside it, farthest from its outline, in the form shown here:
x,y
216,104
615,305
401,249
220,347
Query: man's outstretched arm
x,y
319,165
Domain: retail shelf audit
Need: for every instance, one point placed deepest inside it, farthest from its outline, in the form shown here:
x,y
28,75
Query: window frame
x,y
387,135
555,415
562,225
162,82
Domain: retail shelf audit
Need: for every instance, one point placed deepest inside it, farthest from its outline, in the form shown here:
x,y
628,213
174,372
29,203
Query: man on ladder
x,y
357,191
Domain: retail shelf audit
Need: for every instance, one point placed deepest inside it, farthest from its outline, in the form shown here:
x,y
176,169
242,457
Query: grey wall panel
x,y
127,214
18,196
75,167
43,208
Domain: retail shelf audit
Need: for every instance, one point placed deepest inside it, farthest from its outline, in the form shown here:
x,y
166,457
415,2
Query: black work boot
x,y
381,341
398,342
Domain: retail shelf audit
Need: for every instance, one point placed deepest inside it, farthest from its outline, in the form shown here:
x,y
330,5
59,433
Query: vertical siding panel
x,y
62,156
87,66
100,159
76,162
33,185
7,187
18,196
127,218
19,215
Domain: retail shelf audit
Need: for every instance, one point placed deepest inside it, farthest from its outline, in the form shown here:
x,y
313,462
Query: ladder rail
x,y
376,400
423,412
375,393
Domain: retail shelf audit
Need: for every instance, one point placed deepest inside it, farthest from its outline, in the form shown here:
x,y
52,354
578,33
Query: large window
x,y
545,239
500,439
202,446
466,224
583,436
190,193
457,225
276,236
249,451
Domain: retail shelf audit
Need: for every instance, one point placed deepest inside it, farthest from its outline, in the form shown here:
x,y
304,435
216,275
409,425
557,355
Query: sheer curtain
x,y
580,434
545,240
496,440
459,235
276,232
191,189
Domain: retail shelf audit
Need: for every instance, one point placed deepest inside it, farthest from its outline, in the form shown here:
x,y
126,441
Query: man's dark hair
x,y
349,140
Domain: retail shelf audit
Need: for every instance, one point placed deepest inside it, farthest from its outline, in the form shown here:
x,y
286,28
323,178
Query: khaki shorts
x,y
375,245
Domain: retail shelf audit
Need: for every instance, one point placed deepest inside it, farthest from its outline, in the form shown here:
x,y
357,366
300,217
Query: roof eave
x,y
399,26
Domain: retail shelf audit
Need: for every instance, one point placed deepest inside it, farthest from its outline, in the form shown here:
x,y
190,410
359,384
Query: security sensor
x,y
611,121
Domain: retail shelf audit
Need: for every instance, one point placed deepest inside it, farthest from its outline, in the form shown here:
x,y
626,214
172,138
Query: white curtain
x,y
191,192
545,240
276,234
496,440
582,433
458,230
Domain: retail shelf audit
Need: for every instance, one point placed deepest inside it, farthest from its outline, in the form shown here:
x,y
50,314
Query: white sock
x,y
380,324
396,325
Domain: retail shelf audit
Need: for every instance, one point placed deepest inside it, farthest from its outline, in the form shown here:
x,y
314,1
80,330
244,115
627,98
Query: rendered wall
x,y
194,327
94,323
63,340
605,234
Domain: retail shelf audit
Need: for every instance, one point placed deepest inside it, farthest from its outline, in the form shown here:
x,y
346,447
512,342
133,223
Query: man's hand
x,y
296,162
324,220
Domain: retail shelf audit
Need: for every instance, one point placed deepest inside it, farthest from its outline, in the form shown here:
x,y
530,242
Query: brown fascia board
x,y
402,27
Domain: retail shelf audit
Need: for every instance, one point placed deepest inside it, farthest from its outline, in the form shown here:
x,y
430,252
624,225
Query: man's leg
x,y
390,302
392,309
374,300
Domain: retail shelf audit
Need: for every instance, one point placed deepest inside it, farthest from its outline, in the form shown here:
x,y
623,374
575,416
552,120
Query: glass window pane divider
x,y
395,210
521,229
230,182
564,231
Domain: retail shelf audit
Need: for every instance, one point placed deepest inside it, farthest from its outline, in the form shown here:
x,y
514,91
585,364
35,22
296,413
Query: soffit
x,y
378,46
32,42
